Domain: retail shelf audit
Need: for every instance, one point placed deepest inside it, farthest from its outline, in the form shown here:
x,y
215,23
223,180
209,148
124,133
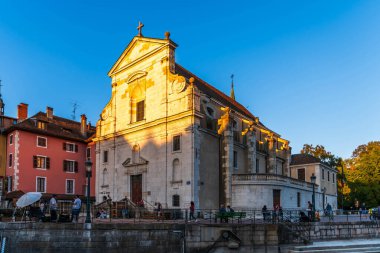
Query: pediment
x,y
137,49
129,163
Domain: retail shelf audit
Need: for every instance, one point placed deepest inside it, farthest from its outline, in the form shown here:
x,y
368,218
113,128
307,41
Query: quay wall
x,y
173,238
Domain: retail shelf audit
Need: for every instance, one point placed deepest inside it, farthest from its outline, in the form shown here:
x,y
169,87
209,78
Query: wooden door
x,y
136,188
276,198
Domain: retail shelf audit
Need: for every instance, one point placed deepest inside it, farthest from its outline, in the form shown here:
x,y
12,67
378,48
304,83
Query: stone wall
x,y
140,238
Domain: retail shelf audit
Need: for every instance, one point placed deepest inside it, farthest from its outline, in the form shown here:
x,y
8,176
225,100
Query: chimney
x,y
22,111
83,123
49,112
89,125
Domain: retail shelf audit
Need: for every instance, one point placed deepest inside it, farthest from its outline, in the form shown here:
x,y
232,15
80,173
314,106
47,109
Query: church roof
x,y
299,159
56,127
217,94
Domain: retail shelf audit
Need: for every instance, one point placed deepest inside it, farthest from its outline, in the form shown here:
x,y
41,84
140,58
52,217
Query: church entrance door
x,y
276,198
136,188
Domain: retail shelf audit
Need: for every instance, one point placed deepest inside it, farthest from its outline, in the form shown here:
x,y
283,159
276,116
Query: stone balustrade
x,y
236,178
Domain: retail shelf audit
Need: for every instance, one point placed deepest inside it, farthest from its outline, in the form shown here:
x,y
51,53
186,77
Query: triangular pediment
x,y
136,50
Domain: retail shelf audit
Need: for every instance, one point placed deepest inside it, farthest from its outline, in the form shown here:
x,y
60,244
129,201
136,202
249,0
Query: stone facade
x,y
167,136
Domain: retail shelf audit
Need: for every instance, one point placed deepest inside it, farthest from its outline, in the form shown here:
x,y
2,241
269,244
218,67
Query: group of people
x,y
277,213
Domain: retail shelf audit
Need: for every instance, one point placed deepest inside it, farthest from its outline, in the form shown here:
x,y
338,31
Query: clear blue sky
x,y
309,69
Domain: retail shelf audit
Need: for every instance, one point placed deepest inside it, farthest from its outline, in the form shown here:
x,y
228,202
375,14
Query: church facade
x,y
168,136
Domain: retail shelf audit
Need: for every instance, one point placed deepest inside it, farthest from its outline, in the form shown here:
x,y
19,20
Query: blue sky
x,y
308,69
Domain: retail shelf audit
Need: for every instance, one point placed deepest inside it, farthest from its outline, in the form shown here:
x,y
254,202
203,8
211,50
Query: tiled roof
x,y
298,159
56,126
217,94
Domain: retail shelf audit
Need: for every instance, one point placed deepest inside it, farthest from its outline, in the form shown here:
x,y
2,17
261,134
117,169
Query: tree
x,y
363,174
320,152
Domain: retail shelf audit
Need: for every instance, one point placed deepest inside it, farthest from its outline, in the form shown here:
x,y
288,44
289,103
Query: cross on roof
x,y
141,25
0,88
232,80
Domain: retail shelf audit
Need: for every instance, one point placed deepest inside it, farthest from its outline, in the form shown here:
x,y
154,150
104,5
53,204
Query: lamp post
x,y
312,180
323,196
88,164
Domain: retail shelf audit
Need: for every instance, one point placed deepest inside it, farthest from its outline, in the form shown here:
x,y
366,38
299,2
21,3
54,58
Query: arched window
x,y
176,170
137,102
136,154
105,177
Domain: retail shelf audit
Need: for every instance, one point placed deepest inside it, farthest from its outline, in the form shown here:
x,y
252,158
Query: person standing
x,y
76,209
192,210
53,208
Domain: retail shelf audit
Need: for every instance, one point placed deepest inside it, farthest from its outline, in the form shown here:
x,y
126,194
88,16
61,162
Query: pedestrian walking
x,y
76,209
53,208
192,210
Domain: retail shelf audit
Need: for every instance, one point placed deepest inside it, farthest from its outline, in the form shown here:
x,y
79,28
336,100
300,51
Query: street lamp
x,y
88,164
312,180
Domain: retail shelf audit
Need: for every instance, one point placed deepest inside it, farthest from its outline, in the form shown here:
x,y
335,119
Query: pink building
x,y
47,154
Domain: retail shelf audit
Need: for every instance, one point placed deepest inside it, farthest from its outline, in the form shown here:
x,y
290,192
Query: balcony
x,y
256,178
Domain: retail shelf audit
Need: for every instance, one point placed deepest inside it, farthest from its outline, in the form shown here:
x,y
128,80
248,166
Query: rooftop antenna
x,y
75,107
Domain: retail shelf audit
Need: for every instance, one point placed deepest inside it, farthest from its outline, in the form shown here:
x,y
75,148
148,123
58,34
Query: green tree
x,y
363,174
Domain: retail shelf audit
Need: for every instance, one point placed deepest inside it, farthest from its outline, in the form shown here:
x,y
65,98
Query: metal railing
x,y
180,215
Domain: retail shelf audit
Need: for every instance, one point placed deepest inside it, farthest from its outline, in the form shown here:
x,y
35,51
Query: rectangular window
x,y
10,184
298,199
70,147
301,174
11,139
328,175
88,153
41,184
175,200
323,174
235,159
41,125
41,142
140,110
10,161
70,166
177,143
41,162
333,175
257,165
105,156
70,183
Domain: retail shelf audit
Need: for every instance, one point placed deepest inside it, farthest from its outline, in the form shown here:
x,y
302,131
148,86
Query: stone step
x,y
343,248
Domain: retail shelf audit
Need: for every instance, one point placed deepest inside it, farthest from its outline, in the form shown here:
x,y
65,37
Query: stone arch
x,y
105,177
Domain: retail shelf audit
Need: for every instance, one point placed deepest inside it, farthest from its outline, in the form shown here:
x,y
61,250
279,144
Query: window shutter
x,y
64,165
76,166
47,162
76,148
64,146
34,161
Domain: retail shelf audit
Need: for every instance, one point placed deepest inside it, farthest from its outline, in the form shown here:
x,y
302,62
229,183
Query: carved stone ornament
x,y
106,113
179,84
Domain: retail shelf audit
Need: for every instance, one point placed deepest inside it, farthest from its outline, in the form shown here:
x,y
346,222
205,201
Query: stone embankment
x,y
170,237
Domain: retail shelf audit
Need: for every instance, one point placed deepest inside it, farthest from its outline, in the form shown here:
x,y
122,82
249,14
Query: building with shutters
x,y
47,153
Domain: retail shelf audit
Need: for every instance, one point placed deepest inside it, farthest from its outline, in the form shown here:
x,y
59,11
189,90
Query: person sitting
x,y
304,217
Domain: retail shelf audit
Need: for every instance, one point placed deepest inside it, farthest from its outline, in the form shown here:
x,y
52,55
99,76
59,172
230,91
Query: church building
x,y
168,136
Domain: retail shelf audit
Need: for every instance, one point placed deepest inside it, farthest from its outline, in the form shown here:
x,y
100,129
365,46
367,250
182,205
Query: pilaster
x,y
251,143
228,155
272,155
